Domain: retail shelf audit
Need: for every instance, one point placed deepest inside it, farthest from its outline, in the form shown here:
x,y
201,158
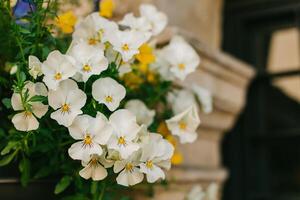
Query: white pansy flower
x,y
181,56
26,119
67,100
162,66
35,66
127,42
180,100
185,125
125,130
94,30
88,60
93,169
92,132
109,92
156,154
140,24
158,20
196,193
205,98
139,109
56,68
130,173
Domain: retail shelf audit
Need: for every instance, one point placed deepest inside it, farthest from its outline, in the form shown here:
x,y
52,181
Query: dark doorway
x,y
262,152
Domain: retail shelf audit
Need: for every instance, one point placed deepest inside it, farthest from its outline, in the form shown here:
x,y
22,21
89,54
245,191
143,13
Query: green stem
x,y
21,49
102,192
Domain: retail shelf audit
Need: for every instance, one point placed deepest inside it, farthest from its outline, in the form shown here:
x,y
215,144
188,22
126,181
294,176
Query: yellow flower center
x,y
28,114
149,164
94,161
86,68
125,47
182,125
108,99
92,41
101,32
121,141
87,139
181,66
65,108
57,76
129,167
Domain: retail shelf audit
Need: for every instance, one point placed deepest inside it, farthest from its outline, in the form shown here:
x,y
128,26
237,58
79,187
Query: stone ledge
x,y
195,175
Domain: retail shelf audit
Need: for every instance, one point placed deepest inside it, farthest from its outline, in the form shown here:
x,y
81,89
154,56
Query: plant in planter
x,y
87,106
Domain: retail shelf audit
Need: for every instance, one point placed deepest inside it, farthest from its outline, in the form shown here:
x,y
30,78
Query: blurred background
x,y
250,49
260,149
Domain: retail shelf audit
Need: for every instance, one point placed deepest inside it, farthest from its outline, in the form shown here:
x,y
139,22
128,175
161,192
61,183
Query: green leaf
x,y
6,102
62,184
25,31
37,98
24,167
11,145
22,77
7,159
43,172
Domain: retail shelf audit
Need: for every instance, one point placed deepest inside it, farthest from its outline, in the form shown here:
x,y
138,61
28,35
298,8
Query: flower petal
x,y
23,122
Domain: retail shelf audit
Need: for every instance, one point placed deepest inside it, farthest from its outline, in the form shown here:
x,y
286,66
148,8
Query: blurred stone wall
x,y
200,18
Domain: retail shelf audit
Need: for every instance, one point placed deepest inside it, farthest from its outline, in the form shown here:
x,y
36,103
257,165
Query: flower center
x,y
92,41
57,76
149,164
108,99
121,141
28,114
87,139
129,167
182,125
101,32
181,66
86,68
94,161
65,108
125,47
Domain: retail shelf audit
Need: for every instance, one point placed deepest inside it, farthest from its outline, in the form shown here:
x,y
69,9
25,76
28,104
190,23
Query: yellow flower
x,y
146,55
143,68
66,22
132,80
163,129
177,158
151,77
106,8
172,140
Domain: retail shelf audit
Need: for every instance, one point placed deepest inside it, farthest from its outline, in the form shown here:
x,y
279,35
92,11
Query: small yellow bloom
x,y
163,129
177,158
151,77
146,55
106,8
66,22
132,80
171,139
143,68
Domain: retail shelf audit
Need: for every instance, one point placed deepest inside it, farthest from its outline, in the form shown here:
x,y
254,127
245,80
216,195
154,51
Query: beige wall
x,y
200,18
285,55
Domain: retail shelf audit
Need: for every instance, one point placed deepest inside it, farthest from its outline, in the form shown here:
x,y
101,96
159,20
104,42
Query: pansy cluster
x,y
85,90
